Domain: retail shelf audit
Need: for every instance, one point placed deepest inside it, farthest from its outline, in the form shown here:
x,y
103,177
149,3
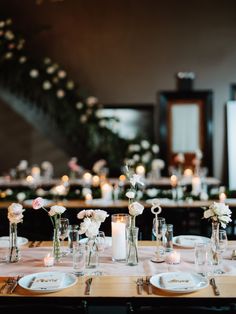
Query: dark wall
x,y
125,51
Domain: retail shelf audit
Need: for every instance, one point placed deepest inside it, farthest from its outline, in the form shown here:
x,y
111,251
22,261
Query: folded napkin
x,y
188,241
47,281
177,281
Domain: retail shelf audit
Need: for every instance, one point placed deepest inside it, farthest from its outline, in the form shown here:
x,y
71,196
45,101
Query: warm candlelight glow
x,y
173,181
140,170
35,172
96,180
222,197
196,185
88,197
173,258
87,177
188,172
65,179
48,260
29,179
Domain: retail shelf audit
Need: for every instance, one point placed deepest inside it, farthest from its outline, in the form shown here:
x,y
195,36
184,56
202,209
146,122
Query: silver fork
x,y
139,284
149,285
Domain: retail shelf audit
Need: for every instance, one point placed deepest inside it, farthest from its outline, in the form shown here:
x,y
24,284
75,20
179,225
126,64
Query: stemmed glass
x,y
159,230
63,232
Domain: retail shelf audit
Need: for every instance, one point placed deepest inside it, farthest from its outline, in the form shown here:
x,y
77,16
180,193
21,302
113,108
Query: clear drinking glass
x,y
101,241
73,236
223,240
79,257
159,230
63,233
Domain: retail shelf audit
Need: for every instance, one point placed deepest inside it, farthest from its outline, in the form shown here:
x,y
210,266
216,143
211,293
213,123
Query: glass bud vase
x,y
215,243
91,253
132,246
56,245
14,252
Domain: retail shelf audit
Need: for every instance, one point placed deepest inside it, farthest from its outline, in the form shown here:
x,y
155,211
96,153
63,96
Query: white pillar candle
x,y
106,190
196,185
87,177
118,229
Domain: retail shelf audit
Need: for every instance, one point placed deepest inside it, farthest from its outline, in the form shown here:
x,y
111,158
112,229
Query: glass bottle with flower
x,y
15,216
135,209
54,213
219,214
92,220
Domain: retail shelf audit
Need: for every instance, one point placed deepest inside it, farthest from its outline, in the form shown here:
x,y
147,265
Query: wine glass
x,y
159,230
63,232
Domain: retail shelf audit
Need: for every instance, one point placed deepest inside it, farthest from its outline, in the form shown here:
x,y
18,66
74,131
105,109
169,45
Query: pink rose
x,y
38,203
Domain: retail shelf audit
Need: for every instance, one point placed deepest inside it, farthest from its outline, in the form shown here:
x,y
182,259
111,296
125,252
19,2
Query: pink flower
x,y
38,203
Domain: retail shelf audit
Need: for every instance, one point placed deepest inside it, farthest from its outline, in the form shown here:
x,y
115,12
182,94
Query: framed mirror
x,y
186,126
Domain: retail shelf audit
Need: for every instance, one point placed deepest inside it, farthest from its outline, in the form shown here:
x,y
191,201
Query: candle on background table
x,y
118,230
140,170
48,260
87,178
222,197
173,258
107,191
95,180
35,172
196,185
173,181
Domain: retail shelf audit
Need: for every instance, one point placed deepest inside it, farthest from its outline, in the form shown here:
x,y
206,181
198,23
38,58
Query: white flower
x,y
136,179
15,211
79,105
22,166
93,229
145,144
100,215
21,196
146,157
61,74
34,73
155,148
157,164
91,101
130,194
218,212
56,209
135,209
85,225
22,59
60,93
102,123
47,85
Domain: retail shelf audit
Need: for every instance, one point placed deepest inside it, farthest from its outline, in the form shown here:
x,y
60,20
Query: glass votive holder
x,y
172,258
48,260
119,222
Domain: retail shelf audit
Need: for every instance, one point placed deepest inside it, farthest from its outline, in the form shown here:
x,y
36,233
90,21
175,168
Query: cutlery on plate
x,y
215,288
139,284
149,285
88,283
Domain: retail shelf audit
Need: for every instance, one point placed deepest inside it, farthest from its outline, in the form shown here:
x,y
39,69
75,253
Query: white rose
x,y
135,209
130,194
136,179
100,215
15,209
81,214
85,225
93,229
208,213
20,196
56,209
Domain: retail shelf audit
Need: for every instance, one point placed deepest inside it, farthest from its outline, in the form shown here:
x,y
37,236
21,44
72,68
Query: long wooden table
x,y
122,291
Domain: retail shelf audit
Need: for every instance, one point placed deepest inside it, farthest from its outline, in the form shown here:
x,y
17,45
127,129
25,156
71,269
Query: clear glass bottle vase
x,y
14,252
215,248
132,245
56,245
91,260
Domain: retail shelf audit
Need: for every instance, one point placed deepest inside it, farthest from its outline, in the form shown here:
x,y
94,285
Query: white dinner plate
x,y
200,282
4,241
108,241
68,281
188,241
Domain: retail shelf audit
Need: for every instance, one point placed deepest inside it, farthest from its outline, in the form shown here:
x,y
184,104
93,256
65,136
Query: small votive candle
x,y
173,258
48,260
140,170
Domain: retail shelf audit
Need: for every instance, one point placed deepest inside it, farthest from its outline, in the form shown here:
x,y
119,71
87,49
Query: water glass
x,y
169,238
223,240
73,236
101,241
79,257
200,254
